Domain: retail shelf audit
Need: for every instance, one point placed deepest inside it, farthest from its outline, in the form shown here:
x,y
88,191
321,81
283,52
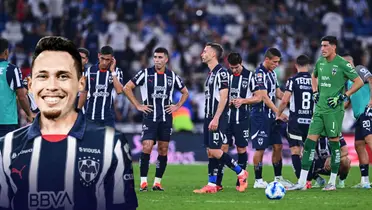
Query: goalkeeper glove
x,y
333,102
316,97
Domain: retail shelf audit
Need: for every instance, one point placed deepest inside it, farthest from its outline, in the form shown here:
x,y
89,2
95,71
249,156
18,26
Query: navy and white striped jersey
x,y
157,90
301,103
100,100
30,97
265,80
241,86
90,168
217,80
13,76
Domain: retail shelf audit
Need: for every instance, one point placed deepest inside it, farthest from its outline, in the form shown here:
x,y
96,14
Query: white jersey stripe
x,y
104,98
118,176
95,95
153,98
69,171
237,110
16,72
164,92
107,158
34,166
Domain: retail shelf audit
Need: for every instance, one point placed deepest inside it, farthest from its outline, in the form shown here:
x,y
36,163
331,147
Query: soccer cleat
x,y
362,185
341,184
219,188
206,189
297,187
284,182
243,181
320,182
329,187
157,187
308,185
260,184
143,187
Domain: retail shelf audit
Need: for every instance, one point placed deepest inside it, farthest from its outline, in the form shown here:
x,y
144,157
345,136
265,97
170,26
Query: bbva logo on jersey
x,y
48,200
88,170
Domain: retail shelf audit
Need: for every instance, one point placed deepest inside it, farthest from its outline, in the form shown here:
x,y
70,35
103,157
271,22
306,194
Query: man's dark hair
x,y
59,44
217,48
331,39
272,52
4,45
84,50
303,60
107,50
161,50
234,58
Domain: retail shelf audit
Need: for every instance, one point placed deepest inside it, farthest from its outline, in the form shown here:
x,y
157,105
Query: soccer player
x,y
298,93
30,97
216,117
157,86
241,96
322,162
265,130
11,88
361,103
102,78
82,96
63,161
328,81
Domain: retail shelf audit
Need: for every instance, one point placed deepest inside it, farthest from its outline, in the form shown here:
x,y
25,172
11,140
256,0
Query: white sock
x,y
259,180
303,177
143,179
364,179
332,179
241,173
211,184
157,180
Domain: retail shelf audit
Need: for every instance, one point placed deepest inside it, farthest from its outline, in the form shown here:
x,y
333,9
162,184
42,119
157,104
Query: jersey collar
x,y
263,68
217,67
76,131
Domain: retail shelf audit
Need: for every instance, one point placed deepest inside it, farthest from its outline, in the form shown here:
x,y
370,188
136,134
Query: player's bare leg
x,y
161,164
225,149
257,163
216,155
307,160
145,162
360,147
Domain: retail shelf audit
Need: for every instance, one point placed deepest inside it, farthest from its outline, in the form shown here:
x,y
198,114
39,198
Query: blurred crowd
x,y
134,28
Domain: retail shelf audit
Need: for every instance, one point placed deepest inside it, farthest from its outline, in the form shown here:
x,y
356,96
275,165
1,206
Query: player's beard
x,y
52,114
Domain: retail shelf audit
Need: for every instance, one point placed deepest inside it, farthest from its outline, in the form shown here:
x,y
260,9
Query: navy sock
x,y
231,163
258,171
212,170
220,173
278,168
160,166
343,175
144,164
364,169
242,160
296,162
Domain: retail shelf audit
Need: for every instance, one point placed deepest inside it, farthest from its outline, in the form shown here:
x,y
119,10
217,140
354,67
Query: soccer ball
x,y
275,191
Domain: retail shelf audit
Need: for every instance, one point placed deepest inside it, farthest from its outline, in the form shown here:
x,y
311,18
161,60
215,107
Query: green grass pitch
x,y
180,180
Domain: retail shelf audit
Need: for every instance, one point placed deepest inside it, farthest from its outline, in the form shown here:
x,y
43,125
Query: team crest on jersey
x,y
88,169
169,82
245,84
334,71
111,80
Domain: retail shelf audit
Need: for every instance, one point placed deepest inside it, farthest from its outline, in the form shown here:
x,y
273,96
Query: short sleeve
x,y
178,83
349,71
289,85
119,74
363,72
260,80
14,78
139,78
223,79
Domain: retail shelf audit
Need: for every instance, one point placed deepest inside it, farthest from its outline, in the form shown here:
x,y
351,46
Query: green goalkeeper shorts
x,y
329,125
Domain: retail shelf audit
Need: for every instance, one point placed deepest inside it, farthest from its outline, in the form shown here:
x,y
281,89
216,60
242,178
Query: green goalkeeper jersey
x,y
332,77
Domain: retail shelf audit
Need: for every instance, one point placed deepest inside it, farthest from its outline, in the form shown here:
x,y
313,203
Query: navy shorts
x,y
215,139
363,127
238,134
156,131
297,134
264,132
